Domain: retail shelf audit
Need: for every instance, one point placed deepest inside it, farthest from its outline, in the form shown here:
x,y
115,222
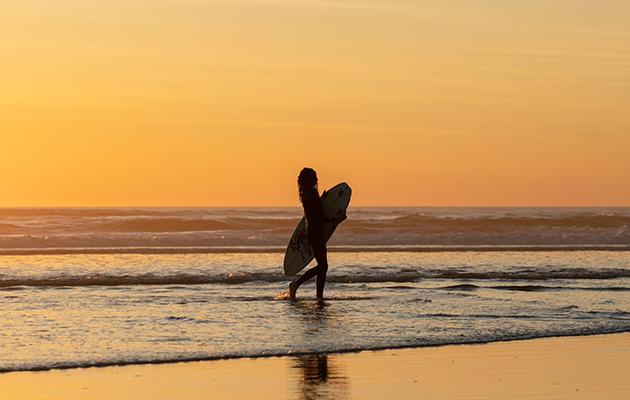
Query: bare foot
x,y
292,290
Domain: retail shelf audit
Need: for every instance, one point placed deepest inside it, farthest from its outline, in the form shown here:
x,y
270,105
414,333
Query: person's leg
x,y
293,286
320,270
305,277
321,255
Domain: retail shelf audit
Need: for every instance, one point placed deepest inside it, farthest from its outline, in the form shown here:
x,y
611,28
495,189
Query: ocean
x,y
94,286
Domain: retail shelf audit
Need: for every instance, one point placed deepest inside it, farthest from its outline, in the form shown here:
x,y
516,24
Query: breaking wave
x,y
395,276
534,288
259,227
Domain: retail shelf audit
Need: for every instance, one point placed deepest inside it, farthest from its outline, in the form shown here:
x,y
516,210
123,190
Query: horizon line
x,y
298,206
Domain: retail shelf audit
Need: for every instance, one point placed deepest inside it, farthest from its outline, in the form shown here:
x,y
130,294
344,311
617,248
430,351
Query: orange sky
x,y
210,103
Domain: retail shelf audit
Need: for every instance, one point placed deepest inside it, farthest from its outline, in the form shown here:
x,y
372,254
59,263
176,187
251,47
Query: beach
x,y
176,173
521,316
587,367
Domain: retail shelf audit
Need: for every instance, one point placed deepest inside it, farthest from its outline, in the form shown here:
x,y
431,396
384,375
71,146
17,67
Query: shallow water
x,y
82,310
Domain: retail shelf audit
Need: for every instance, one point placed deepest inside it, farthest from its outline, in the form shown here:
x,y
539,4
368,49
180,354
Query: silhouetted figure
x,y
309,196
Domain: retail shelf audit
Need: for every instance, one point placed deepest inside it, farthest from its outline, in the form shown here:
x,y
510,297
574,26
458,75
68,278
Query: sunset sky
x,y
220,103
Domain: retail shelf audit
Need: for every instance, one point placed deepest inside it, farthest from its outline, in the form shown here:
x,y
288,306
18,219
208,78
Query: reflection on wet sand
x,y
320,378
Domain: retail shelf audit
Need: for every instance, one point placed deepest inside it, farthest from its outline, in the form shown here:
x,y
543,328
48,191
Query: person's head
x,y
306,180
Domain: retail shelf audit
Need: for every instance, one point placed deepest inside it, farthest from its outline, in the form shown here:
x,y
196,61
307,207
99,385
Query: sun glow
x,y
222,102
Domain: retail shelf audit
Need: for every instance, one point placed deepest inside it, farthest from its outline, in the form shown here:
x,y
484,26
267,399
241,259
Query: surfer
x,y
309,196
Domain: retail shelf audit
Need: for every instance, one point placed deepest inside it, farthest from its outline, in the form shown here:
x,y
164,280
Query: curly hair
x,y
306,180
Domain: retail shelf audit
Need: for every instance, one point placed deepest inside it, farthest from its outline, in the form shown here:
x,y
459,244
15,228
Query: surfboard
x,y
299,251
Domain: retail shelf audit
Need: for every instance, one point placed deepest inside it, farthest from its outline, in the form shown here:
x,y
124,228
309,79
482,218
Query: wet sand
x,y
586,367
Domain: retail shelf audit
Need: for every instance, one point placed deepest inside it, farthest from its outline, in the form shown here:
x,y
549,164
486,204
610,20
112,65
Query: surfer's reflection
x,y
314,320
320,378
318,375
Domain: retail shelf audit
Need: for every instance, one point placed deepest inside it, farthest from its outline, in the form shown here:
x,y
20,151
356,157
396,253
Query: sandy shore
x,y
591,367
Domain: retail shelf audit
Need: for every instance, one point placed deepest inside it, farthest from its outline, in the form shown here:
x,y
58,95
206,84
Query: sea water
x,y
84,287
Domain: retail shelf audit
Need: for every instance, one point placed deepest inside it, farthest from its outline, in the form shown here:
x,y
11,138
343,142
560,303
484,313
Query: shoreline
x,y
100,365
561,368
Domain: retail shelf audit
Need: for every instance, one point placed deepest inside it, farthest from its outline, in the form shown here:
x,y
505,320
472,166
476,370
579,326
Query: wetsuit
x,y
314,220
315,232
